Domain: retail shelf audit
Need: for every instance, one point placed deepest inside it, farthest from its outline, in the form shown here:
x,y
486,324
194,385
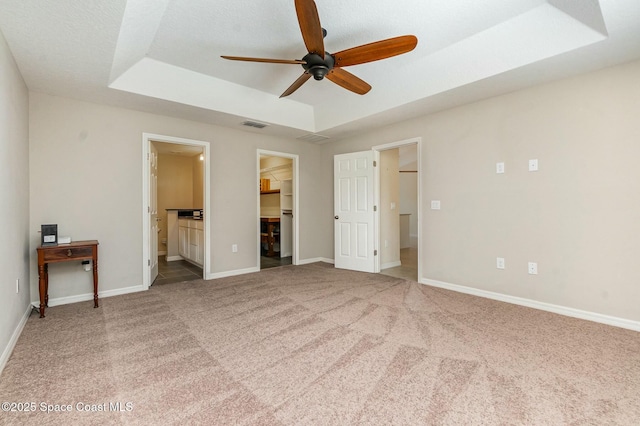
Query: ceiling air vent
x,y
254,124
312,137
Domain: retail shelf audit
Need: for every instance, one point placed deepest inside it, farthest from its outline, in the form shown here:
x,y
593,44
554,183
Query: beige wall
x,y
578,217
14,199
175,188
389,218
409,203
175,181
95,194
270,204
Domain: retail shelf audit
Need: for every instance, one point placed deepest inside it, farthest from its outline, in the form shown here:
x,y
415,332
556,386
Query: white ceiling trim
x,y
585,11
140,25
539,33
160,80
163,56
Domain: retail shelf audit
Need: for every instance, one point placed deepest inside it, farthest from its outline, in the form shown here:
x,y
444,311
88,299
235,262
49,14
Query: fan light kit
x,y
320,64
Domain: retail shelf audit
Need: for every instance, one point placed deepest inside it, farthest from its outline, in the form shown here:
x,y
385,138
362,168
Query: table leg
x,y
41,287
46,285
95,282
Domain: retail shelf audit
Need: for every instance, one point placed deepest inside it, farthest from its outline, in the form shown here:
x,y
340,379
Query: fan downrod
x,y
316,66
320,64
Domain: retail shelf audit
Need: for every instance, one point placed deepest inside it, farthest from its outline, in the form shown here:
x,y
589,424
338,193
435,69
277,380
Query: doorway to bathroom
x,y
175,229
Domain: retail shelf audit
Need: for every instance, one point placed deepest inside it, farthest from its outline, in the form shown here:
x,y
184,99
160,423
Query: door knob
x,y
336,217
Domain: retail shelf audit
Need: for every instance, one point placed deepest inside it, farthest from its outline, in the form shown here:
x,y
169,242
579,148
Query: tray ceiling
x,y
163,56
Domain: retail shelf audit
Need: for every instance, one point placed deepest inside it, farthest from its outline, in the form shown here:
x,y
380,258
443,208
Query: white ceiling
x,y
163,56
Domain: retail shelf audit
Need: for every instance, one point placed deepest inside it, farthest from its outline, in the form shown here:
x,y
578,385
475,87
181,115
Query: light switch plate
x,y
499,168
500,262
533,165
435,204
533,268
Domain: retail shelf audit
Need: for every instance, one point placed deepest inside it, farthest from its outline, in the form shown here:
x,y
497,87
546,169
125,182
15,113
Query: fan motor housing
x,y
317,66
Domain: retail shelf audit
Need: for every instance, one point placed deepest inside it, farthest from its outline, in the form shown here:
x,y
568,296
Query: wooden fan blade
x,y
348,81
310,26
375,51
296,84
271,61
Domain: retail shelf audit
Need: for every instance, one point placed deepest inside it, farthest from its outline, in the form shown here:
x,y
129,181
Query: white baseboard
x,y
174,258
557,309
89,296
14,339
233,273
391,264
236,272
314,260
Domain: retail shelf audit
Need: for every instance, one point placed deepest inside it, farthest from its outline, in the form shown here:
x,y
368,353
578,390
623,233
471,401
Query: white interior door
x,y
153,213
355,211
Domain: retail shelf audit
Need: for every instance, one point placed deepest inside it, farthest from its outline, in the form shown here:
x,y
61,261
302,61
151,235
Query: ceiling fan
x,y
321,64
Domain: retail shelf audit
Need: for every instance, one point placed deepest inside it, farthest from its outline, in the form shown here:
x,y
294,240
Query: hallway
x,y
409,268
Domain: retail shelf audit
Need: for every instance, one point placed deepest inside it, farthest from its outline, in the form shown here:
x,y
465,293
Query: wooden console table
x,y
75,251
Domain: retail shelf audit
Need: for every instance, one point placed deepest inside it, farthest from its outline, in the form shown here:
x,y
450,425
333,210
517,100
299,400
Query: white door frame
x,y
295,252
147,138
393,145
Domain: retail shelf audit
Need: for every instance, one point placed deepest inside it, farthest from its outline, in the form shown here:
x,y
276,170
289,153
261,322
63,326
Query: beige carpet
x,y
312,345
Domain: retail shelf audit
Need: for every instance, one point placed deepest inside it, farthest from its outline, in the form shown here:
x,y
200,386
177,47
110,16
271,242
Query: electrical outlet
x,y
500,262
17,285
435,204
234,248
499,168
533,268
533,165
